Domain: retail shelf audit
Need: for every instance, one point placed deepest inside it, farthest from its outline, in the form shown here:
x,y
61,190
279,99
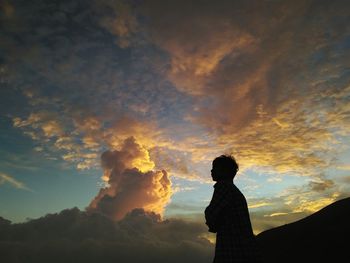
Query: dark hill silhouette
x,y
321,237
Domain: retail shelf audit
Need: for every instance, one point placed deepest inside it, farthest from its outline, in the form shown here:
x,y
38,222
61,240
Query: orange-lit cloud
x,y
196,43
131,183
266,82
297,148
242,73
83,136
46,122
294,205
259,204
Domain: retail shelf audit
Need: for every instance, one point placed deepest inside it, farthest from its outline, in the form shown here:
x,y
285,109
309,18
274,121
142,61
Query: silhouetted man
x,y
228,216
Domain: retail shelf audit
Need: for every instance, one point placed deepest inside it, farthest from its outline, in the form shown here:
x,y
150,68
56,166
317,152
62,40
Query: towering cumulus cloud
x,y
131,183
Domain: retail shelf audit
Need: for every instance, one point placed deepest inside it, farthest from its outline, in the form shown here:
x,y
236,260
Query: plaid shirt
x,y
228,216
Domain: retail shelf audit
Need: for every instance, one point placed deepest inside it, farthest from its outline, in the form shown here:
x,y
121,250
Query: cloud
x,y
131,183
302,148
346,179
197,42
293,203
264,220
46,123
5,178
122,22
83,237
345,167
278,214
78,138
7,9
321,185
259,204
256,91
175,159
75,105
265,81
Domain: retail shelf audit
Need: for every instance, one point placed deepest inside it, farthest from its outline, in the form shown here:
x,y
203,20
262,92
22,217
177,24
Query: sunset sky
x,y
112,105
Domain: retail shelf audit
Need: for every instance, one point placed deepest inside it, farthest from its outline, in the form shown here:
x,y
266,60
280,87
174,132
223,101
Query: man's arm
x,y
218,204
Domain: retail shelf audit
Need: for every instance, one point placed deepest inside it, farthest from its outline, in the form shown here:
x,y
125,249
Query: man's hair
x,y
228,164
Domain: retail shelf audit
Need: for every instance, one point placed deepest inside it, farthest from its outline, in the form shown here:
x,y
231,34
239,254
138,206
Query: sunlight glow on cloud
x,y
260,204
277,214
269,85
311,206
5,178
131,183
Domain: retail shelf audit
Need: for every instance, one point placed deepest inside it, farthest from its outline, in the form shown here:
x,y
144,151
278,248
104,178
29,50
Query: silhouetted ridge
x,y
321,236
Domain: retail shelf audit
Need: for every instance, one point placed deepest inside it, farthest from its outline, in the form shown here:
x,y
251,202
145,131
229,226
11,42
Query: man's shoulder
x,y
239,196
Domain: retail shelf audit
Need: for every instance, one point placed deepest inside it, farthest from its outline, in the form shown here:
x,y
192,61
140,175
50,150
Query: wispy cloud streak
x,y
5,178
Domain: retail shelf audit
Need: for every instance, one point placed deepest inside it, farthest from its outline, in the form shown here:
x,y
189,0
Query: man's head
x,y
225,167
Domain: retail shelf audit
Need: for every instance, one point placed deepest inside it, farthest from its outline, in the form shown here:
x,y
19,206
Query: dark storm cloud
x,y
76,236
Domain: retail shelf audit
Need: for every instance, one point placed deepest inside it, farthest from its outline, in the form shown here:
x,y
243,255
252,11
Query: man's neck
x,y
226,181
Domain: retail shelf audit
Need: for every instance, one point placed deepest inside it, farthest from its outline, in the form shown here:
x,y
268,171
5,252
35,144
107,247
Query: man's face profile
x,y
216,171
